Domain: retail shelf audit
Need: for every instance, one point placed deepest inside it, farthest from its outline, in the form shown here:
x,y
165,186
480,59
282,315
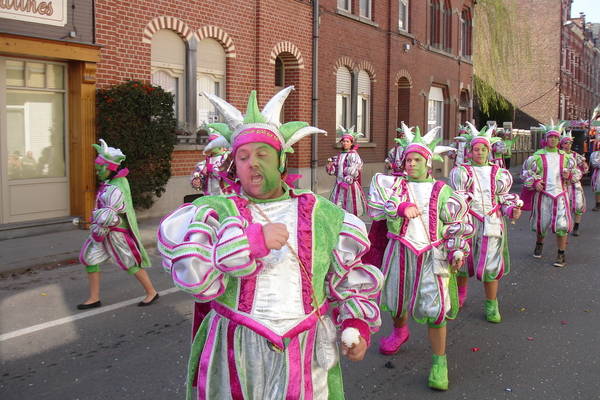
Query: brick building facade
x,y
366,63
562,79
272,44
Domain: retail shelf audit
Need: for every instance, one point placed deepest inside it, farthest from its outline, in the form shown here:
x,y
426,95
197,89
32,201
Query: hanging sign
x,y
52,12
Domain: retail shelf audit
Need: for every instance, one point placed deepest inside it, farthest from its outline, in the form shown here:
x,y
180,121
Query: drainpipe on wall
x,y
314,162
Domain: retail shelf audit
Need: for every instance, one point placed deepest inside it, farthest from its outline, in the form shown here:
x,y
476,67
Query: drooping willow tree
x,y
501,52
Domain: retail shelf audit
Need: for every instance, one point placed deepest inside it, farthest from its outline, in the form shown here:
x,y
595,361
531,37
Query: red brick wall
x,y
383,48
257,27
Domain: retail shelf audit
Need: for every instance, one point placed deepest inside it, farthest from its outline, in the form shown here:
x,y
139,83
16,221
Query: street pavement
x,y
546,346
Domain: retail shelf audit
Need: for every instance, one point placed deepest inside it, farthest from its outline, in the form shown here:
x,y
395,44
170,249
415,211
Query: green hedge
x,y
138,118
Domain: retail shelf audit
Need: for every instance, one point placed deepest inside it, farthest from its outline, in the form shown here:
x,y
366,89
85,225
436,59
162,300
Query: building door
x,y
34,181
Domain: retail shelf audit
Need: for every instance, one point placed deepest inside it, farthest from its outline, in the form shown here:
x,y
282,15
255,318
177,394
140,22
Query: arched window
x,y
210,77
343,97
435,110
403,102
168,67
363,105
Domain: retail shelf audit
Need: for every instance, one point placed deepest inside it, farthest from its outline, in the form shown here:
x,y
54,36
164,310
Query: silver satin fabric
x,y
278,303
113,246
543,205
494,256
264,370
428,301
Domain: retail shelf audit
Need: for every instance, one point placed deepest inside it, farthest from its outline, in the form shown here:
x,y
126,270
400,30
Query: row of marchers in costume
x,y
551,207
500,144
261,339
415,257
347,192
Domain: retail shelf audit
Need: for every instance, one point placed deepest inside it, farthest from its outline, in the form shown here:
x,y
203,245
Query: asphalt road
x,y
545,348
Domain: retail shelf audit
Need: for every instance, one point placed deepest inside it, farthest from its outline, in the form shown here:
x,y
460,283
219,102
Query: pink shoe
x,y
391,344
462,295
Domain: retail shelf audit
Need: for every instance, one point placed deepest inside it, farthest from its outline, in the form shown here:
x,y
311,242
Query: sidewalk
x,y
58,248
64,247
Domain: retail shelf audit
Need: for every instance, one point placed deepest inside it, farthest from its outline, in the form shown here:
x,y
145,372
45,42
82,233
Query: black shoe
x,y
560,260
597,207
537,252
87,306
142,304
576,232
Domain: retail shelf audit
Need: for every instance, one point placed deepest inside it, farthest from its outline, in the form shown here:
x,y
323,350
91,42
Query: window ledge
x,y
357,18
407,34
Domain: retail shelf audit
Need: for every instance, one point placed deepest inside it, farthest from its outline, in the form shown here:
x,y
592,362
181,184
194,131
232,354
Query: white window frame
x,y
365,8
345,5
175,68
435,110
343,110
403,15
177,90
363,106
218,90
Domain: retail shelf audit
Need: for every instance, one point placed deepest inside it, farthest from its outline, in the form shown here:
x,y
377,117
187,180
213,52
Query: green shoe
x,y
491,311
438,377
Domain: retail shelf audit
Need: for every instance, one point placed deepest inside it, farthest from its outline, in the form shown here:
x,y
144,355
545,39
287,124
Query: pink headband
x,y
565,139
480,140
256,135
113,166
348,137
421,149
552,133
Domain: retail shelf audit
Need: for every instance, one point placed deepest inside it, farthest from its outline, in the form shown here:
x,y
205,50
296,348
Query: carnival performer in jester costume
x,y
271,259
497,146
509,143
486,188
422,225
595,163
209,175
575,189
547,173
347,166
114,231
393,161
460,145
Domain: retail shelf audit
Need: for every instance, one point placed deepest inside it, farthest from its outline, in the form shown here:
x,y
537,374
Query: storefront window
x,y
35,124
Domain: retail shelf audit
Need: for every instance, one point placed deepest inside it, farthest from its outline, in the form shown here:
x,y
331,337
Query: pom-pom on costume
x,y
486,188
418,251
208,176
268,335
347,166
548,172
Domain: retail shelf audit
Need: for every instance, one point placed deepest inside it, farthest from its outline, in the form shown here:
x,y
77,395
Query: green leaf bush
x,y
138,118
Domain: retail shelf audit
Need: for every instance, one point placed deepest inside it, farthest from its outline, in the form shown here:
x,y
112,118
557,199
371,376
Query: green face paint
x,y
416,166
102,172
257,167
